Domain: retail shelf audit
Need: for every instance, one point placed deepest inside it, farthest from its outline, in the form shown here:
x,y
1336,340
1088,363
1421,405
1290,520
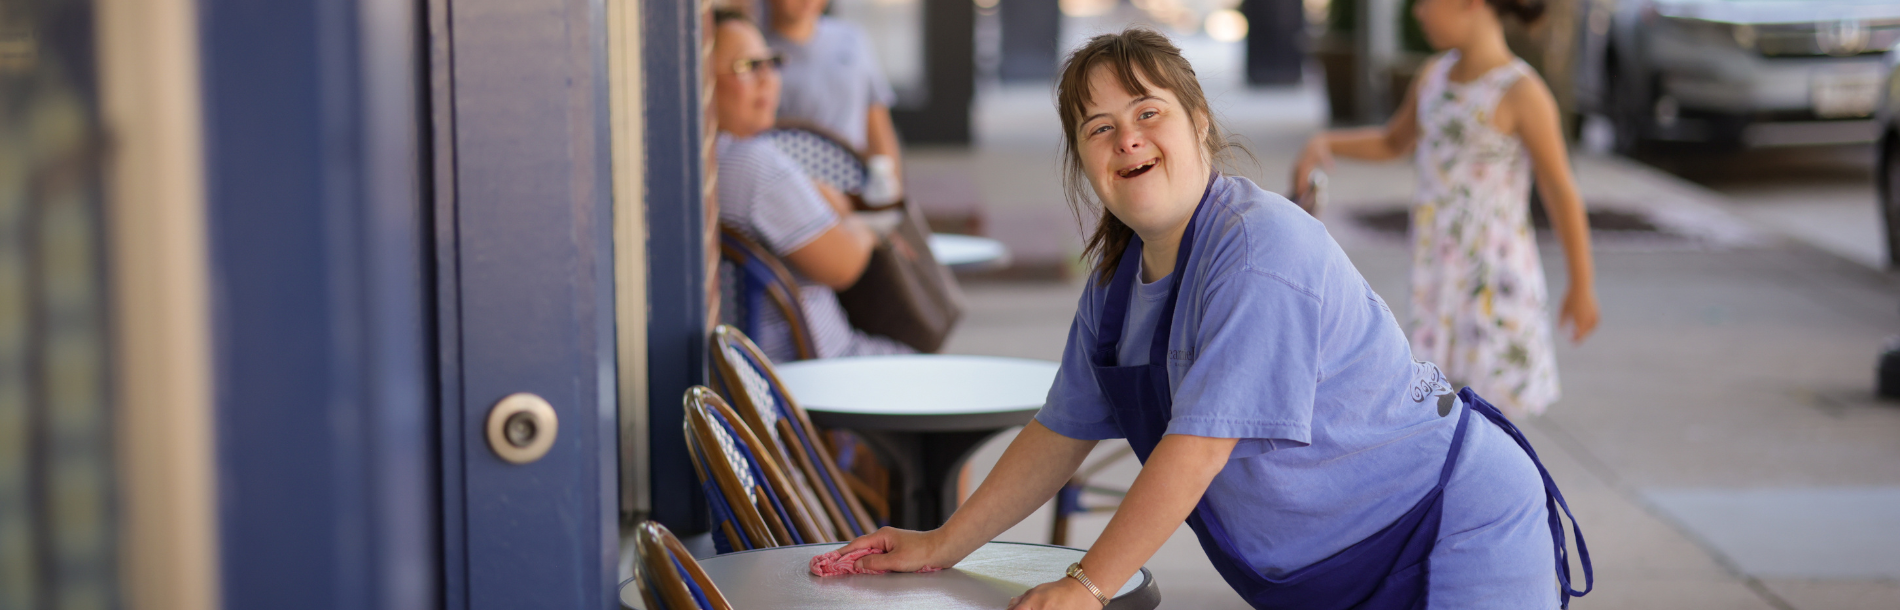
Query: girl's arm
x,y
1170,485
1384,143
1530,106
1036,464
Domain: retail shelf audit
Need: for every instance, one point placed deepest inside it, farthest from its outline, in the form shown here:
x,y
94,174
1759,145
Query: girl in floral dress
x,y
1481,122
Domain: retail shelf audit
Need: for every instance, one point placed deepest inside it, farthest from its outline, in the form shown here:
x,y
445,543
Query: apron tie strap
x,y
1552,500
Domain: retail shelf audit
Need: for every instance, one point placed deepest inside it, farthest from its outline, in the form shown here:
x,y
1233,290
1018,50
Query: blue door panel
x,y
405,224
676,253
532,291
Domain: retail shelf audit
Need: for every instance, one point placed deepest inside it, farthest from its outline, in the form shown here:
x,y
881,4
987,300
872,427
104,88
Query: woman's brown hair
x,y
1526,12
1134,55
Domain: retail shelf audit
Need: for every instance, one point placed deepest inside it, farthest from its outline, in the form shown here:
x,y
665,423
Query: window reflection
x,y
55,445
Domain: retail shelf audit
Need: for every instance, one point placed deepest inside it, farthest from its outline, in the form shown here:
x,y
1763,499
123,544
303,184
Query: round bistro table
x,y
968,252
781,578
924,413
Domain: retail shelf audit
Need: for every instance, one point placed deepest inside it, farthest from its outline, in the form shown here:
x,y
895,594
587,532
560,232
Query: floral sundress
x,y
1478,293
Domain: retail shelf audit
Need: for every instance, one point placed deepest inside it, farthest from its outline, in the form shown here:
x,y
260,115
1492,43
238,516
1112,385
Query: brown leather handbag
x,y
905,294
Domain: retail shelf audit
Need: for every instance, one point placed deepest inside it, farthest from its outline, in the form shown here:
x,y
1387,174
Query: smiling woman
x,y
1269,392
1152,104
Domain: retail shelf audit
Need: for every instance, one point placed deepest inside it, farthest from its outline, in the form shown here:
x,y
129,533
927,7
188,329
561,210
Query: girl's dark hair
x,y
722,16
1134,55
1525,11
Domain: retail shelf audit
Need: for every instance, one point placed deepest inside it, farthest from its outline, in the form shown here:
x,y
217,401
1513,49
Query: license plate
x,y
1846,93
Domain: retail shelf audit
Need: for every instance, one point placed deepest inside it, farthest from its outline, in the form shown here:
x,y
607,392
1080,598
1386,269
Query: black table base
x,y
924,468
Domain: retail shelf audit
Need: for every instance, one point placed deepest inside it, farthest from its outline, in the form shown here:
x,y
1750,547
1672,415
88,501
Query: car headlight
x,y
1715,32
1743,34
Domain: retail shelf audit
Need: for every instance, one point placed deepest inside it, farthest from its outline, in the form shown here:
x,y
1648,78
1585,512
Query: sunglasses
x,y
742,67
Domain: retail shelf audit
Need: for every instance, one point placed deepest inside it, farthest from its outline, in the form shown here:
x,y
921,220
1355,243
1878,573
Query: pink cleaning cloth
x,y
833,564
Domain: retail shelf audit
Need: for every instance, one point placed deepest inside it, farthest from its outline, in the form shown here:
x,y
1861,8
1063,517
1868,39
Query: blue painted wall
x,y
316,242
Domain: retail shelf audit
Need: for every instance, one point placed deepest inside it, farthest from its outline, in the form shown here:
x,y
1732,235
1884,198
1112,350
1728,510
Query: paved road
x,y
1822,196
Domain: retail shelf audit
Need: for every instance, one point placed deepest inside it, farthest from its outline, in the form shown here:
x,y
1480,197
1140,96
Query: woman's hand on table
x,y
904,550
1065,594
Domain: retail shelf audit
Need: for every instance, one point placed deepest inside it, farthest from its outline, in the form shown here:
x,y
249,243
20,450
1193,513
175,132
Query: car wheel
x,y
1887,183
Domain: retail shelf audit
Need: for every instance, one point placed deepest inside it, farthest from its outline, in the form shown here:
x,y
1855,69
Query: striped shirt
x,y
765,195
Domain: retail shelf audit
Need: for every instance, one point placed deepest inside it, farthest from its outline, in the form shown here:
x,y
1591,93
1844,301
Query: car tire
x,y
1887,185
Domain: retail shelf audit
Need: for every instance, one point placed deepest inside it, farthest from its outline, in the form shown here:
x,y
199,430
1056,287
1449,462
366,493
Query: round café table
x,y
781,578
924,413
968,252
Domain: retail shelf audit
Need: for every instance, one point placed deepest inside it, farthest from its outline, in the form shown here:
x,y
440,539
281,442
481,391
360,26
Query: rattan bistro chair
x,y
752,279
826,158
752,488
1069,498
745,374
667,575
737,526
786,443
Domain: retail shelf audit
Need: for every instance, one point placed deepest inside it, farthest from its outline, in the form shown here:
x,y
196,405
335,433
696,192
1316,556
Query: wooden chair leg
x,y
870,496
1069,498
867,477
1068,501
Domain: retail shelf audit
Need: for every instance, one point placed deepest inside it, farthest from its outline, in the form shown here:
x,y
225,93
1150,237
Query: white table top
x,y
934,391
921,384
781,578
967,250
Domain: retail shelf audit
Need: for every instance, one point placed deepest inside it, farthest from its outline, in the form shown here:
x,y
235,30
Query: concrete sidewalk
x,y
1718,437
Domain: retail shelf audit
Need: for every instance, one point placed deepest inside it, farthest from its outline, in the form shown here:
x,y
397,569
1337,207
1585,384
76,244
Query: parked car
x,y
1744,73
1887,168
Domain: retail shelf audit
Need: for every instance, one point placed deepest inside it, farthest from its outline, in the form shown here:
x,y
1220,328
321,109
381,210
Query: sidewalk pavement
x,y
1718,437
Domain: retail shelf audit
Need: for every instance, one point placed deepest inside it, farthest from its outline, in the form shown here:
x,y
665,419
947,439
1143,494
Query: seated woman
x,y
832,81
767,196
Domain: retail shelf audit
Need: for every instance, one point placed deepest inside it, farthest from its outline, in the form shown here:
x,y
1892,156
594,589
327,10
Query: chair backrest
x,y
667,575
746,375
783,447
756,492
824,156
761,280
737,524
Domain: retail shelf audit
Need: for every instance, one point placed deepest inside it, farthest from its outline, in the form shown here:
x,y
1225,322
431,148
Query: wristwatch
x,y
1075,572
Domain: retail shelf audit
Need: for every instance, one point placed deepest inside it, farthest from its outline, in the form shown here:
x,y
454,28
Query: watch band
x,y
1075,572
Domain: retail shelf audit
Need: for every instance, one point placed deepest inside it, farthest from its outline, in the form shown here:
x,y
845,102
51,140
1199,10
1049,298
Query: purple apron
x,y
1386,571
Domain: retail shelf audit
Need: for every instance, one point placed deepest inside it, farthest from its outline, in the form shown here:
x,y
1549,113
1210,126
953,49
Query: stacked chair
x,y
745,375
765,469
667,575
754,504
